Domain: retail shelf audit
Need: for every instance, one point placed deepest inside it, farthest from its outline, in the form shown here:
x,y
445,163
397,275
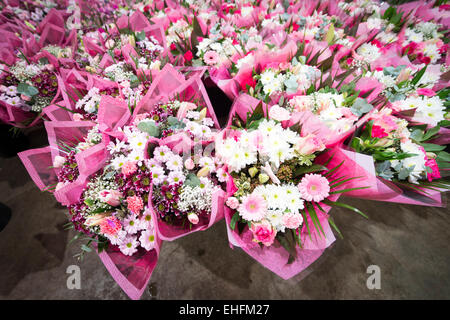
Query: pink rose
x,y
193,218
292,220
309,144
189,164
129,168
278,113
110,197
77,117
232,202
263,232
59,161
24,97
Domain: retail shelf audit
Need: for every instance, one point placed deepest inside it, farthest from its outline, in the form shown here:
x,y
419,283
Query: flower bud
x,y
263,178
193,218
252,171
59,161
189,164
203,172
431,155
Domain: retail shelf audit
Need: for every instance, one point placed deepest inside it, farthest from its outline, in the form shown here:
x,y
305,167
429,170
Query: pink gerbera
x,y
211,57
314,187
135,204
253,207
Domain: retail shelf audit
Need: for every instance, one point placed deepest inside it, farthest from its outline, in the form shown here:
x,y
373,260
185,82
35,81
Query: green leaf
x,y
26,89
191,180
443,156
419,75
85,248
140,36
360,107
150,127
430,147
430,133
417,135
89,202
174,123
330,34
343,205
314,168
233,221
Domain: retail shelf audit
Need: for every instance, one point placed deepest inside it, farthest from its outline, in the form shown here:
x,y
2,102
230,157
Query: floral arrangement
x,y
326,98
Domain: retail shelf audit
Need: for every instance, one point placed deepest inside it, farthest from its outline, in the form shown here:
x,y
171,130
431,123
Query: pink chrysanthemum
x,y
110,226
129,168
253,207
135,204
314,187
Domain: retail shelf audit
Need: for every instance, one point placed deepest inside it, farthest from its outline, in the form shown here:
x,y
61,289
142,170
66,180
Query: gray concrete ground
x,y
408,243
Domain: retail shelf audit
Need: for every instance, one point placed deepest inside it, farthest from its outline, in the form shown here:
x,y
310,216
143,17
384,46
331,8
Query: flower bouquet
x,y
280,189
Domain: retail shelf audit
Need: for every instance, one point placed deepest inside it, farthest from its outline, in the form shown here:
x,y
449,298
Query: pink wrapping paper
x,y
384,190
38,163
132,273
112,114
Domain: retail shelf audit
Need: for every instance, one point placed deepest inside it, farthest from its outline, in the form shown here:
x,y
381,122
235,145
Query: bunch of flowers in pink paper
x,y
280,188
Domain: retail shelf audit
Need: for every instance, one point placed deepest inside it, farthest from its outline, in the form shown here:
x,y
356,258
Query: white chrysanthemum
x,y
369,52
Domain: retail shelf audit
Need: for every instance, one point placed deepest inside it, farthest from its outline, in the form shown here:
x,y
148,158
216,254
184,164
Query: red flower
x,y
295,26
173,46
188,55
425,60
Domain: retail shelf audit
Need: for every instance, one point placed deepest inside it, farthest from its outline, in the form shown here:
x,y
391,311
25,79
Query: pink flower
x,y
292,220
309,144
59,161
211,57
59,186
435,174
378,132
278,113
110,226
110,197
24,97
193,218
425,92
135,204
188,55
314,187
263,232
232,202
77,117
253,207
129,168
189,164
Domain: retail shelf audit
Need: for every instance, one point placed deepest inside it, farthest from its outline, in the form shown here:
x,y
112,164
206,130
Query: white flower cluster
x,y
90,101
429,110
328,106
116,72
24,71
281,200
270,143
12,97
179,28
198,198
369,52
222,47
416,164
150,44
298,77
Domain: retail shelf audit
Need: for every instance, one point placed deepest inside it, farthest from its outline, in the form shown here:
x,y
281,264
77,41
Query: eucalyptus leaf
x,y
360,107
150,127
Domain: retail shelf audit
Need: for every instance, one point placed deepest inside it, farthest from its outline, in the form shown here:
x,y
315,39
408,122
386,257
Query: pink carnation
x,y
378,132
211,57
292,220
426,92
129,168
435,174
263,232
232,202
110,226
135,204
314,187
253,207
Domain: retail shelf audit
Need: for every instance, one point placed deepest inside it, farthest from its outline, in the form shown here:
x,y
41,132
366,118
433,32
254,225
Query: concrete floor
x,y
408,243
